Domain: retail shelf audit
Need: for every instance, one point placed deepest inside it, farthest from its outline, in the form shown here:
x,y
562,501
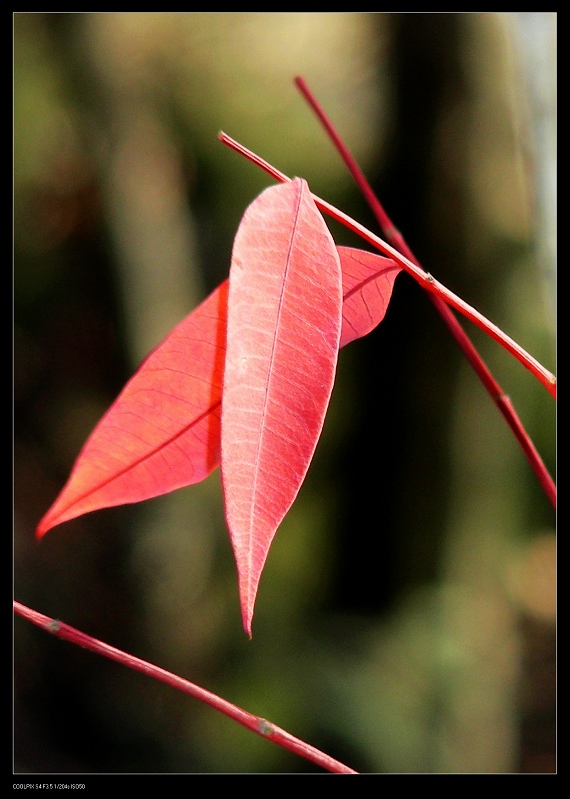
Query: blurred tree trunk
x,y
436,483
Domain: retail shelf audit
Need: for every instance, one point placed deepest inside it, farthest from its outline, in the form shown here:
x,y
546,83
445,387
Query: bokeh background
x,y
406,617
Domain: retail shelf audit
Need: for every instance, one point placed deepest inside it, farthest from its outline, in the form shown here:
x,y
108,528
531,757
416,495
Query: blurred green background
x,y
405,621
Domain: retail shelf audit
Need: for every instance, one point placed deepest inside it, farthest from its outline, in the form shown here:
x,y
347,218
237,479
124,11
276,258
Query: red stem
x,y
501,400
424,278
258,725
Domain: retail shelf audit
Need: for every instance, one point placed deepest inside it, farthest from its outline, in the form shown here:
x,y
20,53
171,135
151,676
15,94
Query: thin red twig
x,y
258,725
393,235
432,285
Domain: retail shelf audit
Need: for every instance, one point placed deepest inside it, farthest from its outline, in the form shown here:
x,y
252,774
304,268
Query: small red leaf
x,y
284,323
367,282
163,430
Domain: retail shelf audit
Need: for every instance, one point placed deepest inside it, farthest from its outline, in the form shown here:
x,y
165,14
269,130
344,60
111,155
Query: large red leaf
x,y
284,324
163,430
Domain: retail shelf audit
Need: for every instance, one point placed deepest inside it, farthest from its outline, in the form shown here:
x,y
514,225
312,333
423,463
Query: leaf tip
x,y
247,618
247,615
44,525
248,584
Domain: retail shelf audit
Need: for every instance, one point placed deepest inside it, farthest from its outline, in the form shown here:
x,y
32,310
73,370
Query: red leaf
x,y
163,430
367,282
284,323
142,447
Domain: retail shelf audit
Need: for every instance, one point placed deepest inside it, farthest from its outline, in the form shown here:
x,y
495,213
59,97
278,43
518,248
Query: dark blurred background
x,y
405,621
